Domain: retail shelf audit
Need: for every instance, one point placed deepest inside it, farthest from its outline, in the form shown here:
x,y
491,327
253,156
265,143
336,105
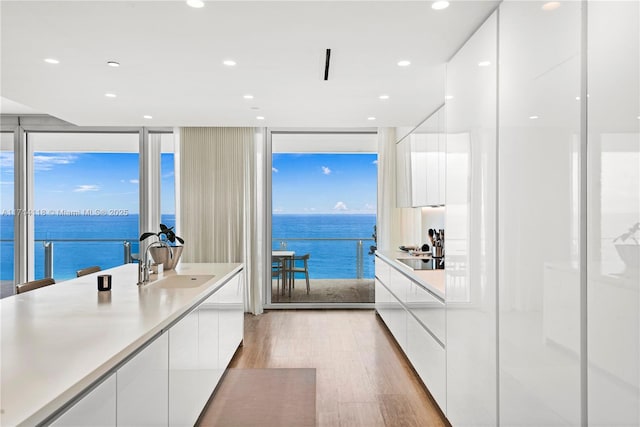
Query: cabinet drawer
x,y
429,360
427,308
398,284
393,314
382,270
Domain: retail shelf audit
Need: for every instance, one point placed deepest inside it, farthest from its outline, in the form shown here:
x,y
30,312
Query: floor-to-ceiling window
x,y
323,209
7,214
85,195
79,194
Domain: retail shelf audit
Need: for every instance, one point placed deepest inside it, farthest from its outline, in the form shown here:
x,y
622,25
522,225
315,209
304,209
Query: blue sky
x,y
324,183
88,181
302,183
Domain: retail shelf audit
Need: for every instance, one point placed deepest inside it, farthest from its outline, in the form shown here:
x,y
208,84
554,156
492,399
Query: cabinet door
x,y
420,172
208,344
442,158
231,318
403,174
382,270
142,389
98,408
398,284
393,314
427,309
185,381
429,360
433,169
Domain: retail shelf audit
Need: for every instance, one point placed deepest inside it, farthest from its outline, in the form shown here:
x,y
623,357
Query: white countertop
x,y
58,340
432,280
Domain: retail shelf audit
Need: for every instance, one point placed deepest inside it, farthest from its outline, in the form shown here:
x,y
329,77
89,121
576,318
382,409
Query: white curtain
x,y
387,215
219,201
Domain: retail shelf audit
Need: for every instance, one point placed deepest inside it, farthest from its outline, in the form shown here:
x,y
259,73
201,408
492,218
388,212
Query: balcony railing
x,y
61,258
332,258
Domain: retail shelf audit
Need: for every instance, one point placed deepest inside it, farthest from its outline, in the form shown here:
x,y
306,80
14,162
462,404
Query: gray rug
x,y
263,398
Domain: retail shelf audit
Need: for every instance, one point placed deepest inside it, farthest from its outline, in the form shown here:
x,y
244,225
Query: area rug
x,y
263,398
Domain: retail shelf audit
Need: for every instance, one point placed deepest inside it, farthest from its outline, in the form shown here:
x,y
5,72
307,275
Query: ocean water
x,y
72,249
331,240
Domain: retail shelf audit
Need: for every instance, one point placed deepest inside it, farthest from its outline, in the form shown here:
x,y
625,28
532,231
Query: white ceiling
x,y
171,61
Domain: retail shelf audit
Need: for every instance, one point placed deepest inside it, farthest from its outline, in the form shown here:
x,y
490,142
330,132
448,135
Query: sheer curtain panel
x,y
219,201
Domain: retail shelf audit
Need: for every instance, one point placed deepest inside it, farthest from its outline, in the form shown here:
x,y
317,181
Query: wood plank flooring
x,y
363,379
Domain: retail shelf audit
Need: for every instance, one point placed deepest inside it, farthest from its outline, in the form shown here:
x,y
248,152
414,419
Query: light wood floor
x,y
363,379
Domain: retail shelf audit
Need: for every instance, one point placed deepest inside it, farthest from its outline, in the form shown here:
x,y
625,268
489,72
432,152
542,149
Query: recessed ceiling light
x,y
51,61
195,3
577,98
533,117
229,62
110,95
384,97
114,64
484,63
147,117
260,118
371,118
439,5
638,117
551,5
248,97
404,63
448,97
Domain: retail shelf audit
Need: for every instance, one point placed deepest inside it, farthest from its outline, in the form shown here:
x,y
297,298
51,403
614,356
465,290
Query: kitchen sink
x,y
182,281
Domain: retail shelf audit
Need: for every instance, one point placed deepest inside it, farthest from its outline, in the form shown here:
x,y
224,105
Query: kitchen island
x,y
61,343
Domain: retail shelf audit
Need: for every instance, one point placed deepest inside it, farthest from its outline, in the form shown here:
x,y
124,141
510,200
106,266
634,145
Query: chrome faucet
x,y
143,267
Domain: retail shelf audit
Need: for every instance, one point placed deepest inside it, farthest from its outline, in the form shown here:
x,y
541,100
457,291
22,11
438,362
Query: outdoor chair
x,y
277,270
296,268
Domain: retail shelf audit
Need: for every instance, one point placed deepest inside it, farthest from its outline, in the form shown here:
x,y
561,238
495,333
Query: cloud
x,y
309,209
6,182
375,162
134,181
274,170
369,207
6,161
326,170
340,206
47,162
85,188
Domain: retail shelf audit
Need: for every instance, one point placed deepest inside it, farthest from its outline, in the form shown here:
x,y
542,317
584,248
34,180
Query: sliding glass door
x,y
324,192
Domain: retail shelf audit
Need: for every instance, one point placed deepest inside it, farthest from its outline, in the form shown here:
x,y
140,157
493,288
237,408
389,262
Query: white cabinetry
x,y
96,409
231,318
199,351
428,357
403,173
421,164
416,319
142,389
470,218
187,387
170,380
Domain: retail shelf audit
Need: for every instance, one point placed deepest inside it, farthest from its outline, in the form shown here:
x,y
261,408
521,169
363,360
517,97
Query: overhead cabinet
x,y
420,161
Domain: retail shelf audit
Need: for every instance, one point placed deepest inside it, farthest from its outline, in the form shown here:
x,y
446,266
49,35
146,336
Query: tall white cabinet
x,y
539,212
613,280
470,215
543,189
